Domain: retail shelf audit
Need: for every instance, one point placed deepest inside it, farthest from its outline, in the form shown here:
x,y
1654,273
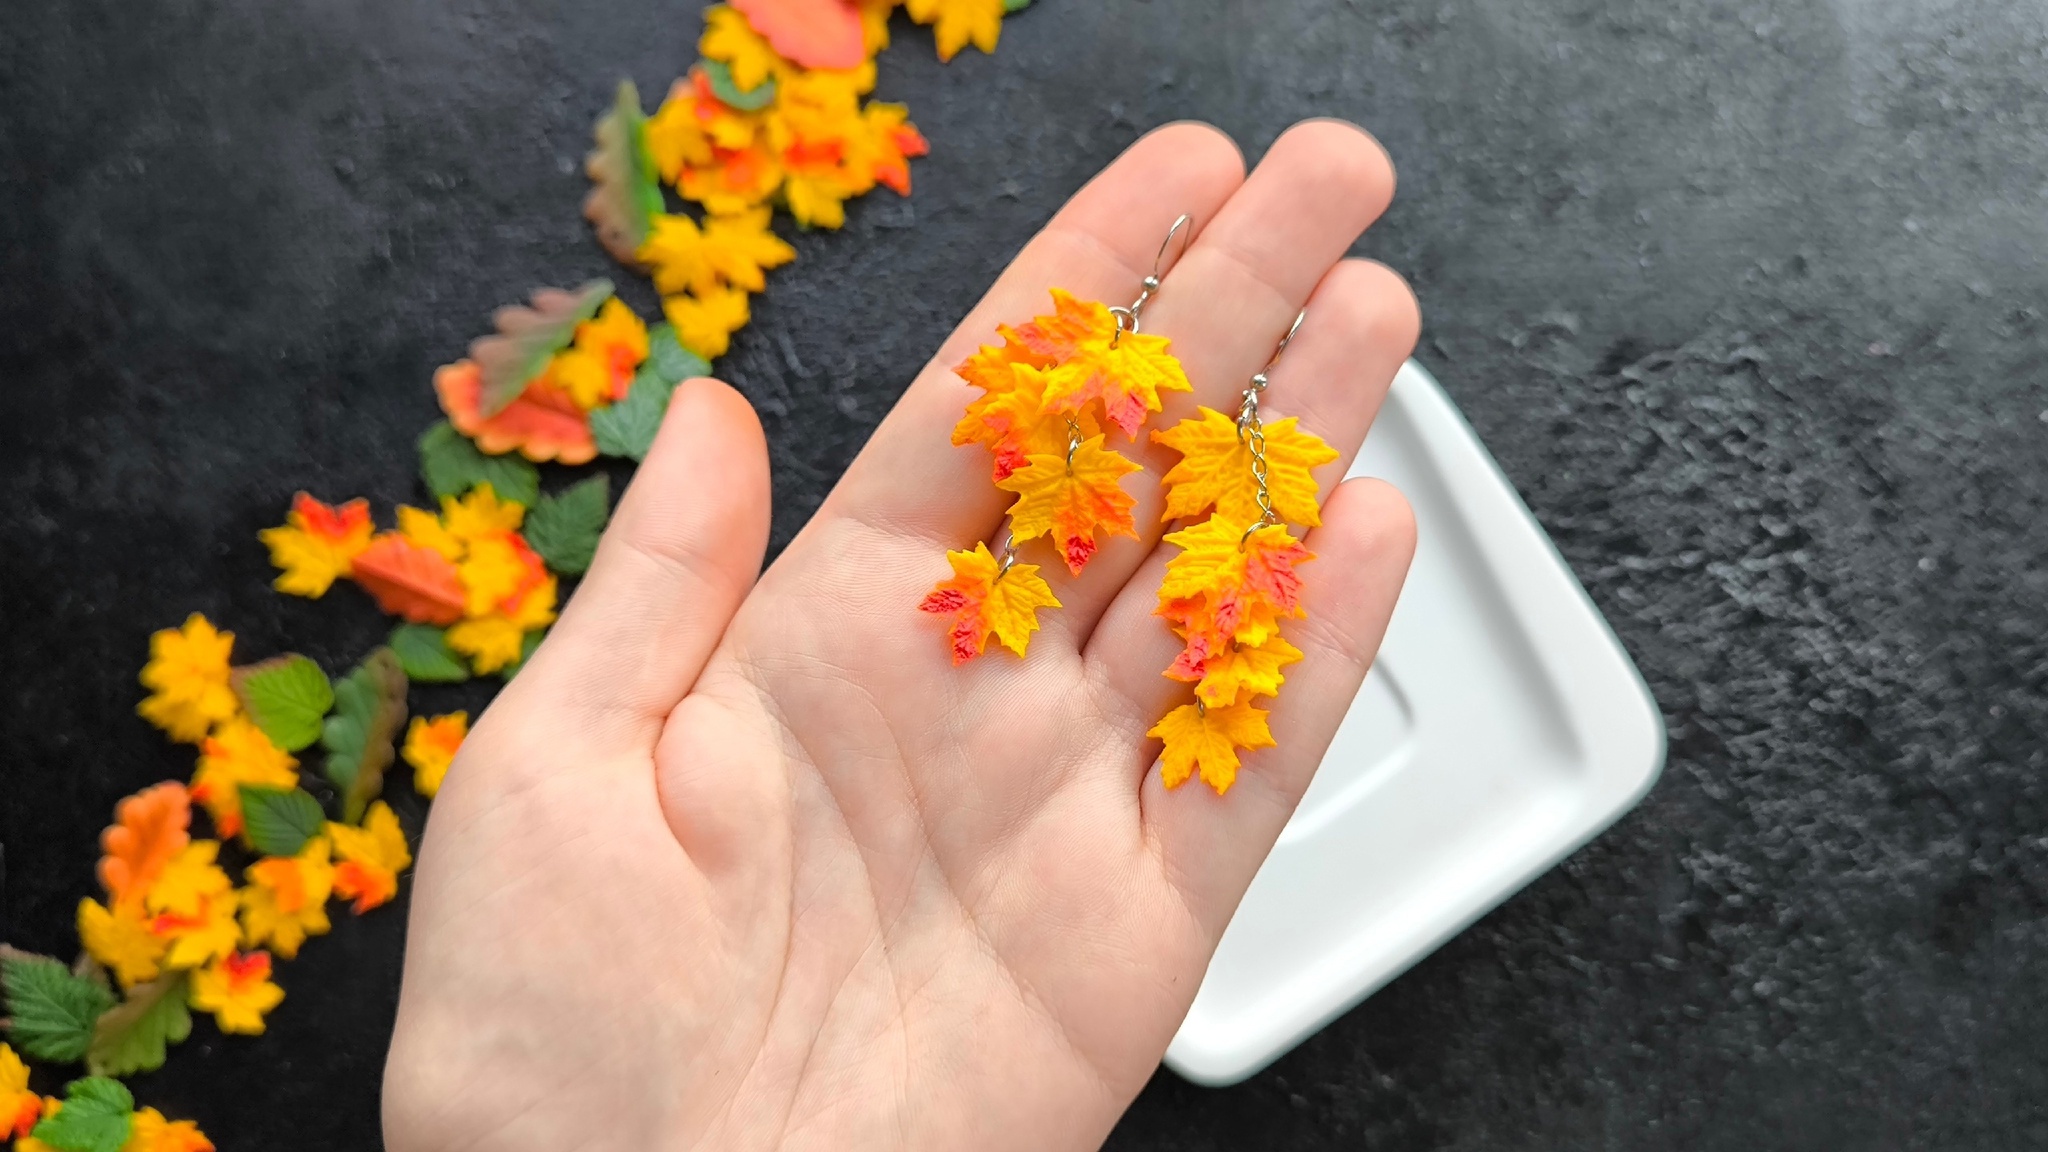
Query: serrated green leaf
x,y
286,696
1015,5
279,821
451,466
624,197
50,1009
131,1036
729,92
564,527
96,1117
424,654
360,736
527,645
672,363
528,336
627,428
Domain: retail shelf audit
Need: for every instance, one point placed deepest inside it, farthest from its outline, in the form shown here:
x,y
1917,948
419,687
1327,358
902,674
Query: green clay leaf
x,y
729,92
360,737
672,363
451,466
627,428
625,197
527,338
51,1009
286,696
279,821
424,654
1015,5
96,1117
564,528
131,1036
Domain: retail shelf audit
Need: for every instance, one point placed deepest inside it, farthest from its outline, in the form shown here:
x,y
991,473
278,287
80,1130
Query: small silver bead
x,y
1259,382
1151,283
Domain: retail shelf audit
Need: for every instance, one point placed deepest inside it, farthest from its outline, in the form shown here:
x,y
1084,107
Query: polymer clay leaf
x,y
96,1117
670,361
279,821
984,600
150,828
813,33
528,337
564,528
1072,498
1206,741
120,940
286,696
316,543
131,1036
371,857
1236,573
424,654
960,22
1236,670
542,423
451,466
1126,375
705,322
1215,470
625,198
50,1008
411,580
732,38
360,737
1014,425
730,94
628,427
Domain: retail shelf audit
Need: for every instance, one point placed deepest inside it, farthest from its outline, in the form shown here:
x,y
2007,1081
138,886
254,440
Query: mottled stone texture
x,y
1745,297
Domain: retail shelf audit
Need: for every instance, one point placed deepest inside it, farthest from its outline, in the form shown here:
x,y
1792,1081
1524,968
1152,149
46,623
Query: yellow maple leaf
x,y
960,22
238,753
1215,469
704,323
19,1107
187,676
984,600
150,1132
675,137
189,880
430,747
372,856
1072,496
1126,374
237,990
286,898
733,249
316,543
120,939
730,39
1014,425
491,570
479,514
1239,670
425,529
1206,741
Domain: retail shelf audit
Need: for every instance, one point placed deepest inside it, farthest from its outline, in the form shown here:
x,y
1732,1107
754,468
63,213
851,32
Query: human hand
x,y
748,863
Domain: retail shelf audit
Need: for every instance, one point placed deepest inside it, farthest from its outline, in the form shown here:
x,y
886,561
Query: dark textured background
x,y
1745,296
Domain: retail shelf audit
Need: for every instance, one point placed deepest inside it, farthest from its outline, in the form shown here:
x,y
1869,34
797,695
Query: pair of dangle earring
x,y
1052,392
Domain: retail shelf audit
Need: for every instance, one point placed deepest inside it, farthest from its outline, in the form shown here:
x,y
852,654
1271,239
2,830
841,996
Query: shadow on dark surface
x,y
1744,297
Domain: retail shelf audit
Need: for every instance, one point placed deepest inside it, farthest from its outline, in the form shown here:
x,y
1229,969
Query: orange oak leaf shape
x,y
410,580
1215,469
542,424
1206,740
527,339
813,33
1072,496
984,600
1126,374
1014,425
149,830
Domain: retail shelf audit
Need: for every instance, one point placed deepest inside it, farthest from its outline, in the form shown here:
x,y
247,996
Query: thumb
x,y
682,551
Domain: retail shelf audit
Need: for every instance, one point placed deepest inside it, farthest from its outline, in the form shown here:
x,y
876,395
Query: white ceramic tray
x,y
1502,727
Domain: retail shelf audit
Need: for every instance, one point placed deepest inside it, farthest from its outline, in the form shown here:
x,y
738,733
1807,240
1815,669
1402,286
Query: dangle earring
x,y
1234,580
1051,390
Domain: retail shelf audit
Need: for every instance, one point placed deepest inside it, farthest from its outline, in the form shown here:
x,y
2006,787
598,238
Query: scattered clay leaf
x,y
626,197
279,821
564,527
451,466
50,1009
131,1036
286,696
424,654
360,736
528,336
97,1117
730,94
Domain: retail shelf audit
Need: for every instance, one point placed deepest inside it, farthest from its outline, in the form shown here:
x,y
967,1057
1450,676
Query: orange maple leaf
x,y
1215,470
409,580
1221,676
149,830
1126,374
1014,425
543,423
1229,586
985,600
1206,740
1072,495
1042,343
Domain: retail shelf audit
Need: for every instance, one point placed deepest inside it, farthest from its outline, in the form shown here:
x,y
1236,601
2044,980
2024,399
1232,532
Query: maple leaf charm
x,y
1125,373
1206,740
1215,469
1072,496
984,600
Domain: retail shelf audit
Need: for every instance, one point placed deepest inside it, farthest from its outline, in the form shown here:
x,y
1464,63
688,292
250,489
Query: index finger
x,y
910,480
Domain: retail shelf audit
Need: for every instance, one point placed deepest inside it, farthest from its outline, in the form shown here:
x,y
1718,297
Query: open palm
x,y
748,863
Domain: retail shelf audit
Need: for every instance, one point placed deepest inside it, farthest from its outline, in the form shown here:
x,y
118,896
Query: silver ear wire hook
x,y
1128,319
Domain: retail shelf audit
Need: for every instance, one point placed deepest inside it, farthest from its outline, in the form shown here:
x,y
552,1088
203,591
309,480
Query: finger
x,y
1230,301
682,550
911,481
1211,845
1360,326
